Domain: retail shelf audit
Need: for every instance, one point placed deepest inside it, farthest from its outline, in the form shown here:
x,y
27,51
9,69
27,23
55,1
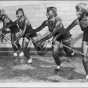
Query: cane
x,y
76,51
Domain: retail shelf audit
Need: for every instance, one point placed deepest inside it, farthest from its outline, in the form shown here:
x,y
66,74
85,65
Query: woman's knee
x,y
85,48
56,48
24,43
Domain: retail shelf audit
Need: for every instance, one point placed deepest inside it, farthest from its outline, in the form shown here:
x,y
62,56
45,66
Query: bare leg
x,y
68,51
85,59
26,50
16,46
56,48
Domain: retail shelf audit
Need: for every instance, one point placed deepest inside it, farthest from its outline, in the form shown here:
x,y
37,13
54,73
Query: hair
x,y
82,7
54,9
19,9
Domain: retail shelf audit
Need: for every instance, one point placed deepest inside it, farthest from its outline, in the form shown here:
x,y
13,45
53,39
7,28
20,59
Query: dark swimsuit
x,y
85,31
29,30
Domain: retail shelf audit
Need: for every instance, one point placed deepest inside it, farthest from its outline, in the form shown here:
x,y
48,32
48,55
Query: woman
x,y
82,21
55,26
25,31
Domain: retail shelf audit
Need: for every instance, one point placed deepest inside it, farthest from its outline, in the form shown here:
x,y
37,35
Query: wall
x,y
36,13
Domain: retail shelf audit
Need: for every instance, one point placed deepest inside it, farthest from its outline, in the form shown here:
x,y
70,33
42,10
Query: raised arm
x,y
41,26
57,28
73,24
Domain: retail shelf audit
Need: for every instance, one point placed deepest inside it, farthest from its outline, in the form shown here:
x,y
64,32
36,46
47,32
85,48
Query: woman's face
x,y
79,13
50,14
19,15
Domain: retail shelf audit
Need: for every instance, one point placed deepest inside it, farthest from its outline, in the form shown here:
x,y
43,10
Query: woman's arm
x,y
73,24
41,26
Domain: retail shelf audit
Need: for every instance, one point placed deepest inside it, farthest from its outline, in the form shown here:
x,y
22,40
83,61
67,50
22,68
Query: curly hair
x,y
82,7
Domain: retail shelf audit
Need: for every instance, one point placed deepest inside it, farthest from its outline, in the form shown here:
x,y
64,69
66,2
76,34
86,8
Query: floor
x,y
42,70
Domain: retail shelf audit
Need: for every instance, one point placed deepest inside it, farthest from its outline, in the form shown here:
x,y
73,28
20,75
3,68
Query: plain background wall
x,y
36,13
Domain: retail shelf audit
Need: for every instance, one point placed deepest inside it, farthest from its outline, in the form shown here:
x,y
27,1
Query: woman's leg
x,y
56,50
67,46
85,58
15,46
26,50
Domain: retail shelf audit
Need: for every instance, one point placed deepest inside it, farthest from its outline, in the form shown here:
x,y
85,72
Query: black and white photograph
x,y
44,41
